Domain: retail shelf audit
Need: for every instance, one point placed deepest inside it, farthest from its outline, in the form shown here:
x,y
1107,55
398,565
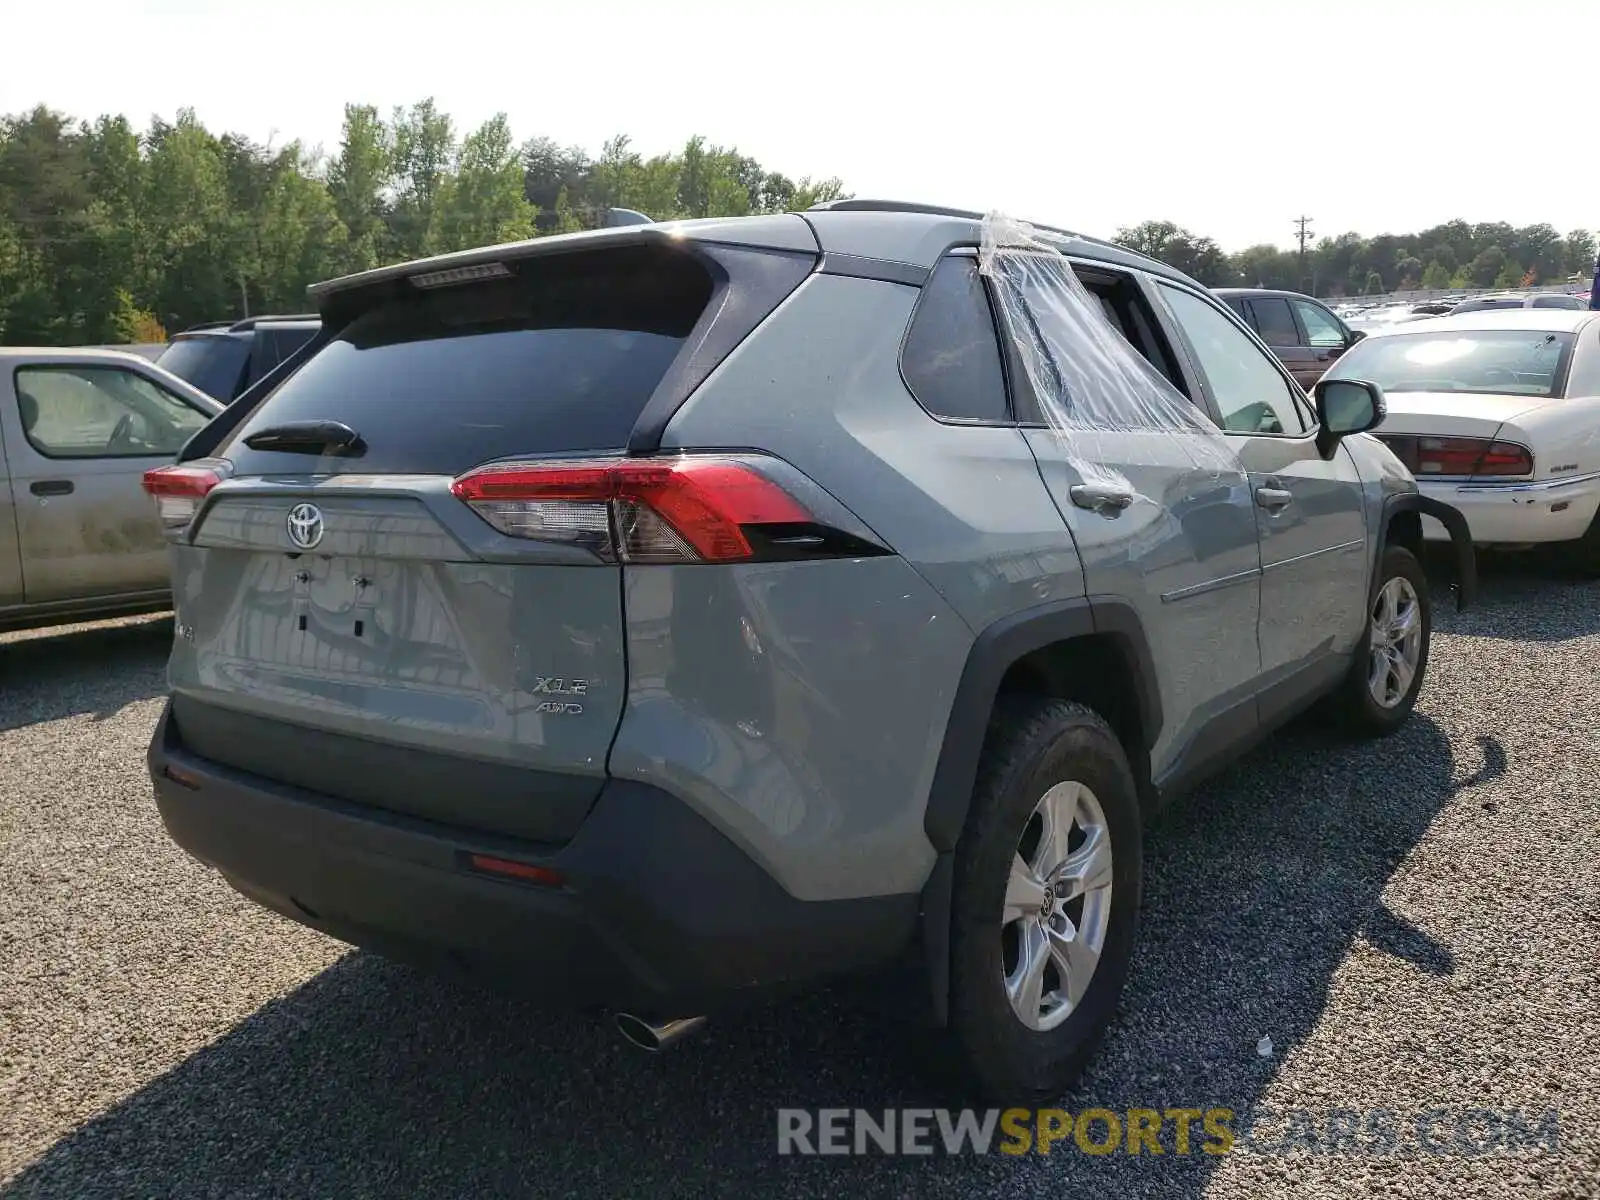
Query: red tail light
x,y
1471,456
179,489
688,509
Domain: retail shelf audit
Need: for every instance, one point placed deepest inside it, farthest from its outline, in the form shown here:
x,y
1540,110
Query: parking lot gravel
x,y
1415,926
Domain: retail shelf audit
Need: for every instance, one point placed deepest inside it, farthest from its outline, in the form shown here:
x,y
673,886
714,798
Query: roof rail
x,y
207,325
252,322
932,210
936,210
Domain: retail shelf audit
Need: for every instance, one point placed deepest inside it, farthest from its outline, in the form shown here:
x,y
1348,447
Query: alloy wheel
x,y
1395,647
1057,906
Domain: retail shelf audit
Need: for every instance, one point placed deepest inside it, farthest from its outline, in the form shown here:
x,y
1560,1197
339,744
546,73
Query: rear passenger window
x,y
1274,321
952,357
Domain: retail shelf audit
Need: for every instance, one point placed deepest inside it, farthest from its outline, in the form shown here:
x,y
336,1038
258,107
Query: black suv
x,y
1304,333
223,358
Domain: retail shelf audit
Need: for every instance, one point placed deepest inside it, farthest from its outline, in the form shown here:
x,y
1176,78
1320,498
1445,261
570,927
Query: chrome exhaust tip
x,y
655,1036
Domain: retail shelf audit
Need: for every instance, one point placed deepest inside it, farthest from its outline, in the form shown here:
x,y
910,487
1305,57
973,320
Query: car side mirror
x,y
1344,407
1352,336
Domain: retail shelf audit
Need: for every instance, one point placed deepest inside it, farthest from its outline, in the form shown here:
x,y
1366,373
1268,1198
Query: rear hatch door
x,y
350,626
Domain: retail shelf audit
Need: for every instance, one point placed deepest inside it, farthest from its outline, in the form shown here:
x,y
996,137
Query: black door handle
x,y
51,487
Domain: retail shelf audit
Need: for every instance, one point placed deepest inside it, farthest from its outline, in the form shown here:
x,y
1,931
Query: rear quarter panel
x,y
1564,437
802,706
799,707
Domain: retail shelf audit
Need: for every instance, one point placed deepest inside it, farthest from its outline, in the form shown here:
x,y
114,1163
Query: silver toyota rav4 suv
x,y
668,616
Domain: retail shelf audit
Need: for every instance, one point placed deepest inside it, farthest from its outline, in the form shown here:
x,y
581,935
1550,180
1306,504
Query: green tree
x,y
359,179
193,239
1267,266
1199,257
614,179
424,156
549,169
300,238
564,219
1578,254
483,203
1485,266
1437,277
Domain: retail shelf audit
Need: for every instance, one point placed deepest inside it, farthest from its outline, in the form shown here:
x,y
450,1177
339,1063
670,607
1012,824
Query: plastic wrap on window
x,y
1089,380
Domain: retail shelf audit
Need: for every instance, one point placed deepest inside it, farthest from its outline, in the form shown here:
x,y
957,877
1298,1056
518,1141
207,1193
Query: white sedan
x,y
1498,414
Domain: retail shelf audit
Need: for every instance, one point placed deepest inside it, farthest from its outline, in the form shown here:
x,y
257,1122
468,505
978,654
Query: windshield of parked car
x,y
1523,362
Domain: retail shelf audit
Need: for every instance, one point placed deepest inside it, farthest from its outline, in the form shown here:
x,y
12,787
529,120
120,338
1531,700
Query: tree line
x,y
107,235
1456,254
111,235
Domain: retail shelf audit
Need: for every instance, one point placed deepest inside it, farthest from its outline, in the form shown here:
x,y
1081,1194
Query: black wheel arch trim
x,y
993,652
1466,558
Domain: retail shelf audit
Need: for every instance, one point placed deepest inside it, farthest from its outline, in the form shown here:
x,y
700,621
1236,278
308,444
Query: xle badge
x,y
559,685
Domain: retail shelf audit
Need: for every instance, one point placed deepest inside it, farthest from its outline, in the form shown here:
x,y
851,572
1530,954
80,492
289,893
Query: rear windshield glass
x,y
561,357
1501,361
215,365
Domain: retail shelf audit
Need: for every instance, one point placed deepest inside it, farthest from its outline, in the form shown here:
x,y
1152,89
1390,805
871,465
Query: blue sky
x,y
1229,117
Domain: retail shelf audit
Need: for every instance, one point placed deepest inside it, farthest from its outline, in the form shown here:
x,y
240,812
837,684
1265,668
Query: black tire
x,y
1033,746
1354,706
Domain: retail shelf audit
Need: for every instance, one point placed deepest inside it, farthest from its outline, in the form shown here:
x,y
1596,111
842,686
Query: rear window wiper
x,y
308,437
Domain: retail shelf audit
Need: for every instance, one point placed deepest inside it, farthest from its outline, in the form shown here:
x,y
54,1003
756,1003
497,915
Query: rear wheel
x,y
1046,898
1387,672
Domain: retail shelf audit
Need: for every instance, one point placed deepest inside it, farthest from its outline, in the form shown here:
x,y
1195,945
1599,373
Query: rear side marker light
x,y
179,490
510,868
693,508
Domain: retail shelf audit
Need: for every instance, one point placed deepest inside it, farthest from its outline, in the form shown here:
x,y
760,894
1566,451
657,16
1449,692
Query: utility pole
x,y
1303,233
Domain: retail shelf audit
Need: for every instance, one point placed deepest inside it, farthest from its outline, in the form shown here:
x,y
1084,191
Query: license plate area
x,y
338,600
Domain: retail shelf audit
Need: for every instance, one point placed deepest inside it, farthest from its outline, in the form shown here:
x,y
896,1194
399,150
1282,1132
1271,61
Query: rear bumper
x,y
1556,510
659,913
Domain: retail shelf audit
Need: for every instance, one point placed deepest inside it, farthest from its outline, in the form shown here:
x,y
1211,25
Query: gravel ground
x,y
1413,925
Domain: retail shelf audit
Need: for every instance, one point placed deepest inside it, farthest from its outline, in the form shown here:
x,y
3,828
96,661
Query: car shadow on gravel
x,y
371,1080
96,670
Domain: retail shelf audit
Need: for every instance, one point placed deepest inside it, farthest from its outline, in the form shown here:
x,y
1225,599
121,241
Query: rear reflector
x,y
512,869
1471,456
179,489
693,508
180,777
